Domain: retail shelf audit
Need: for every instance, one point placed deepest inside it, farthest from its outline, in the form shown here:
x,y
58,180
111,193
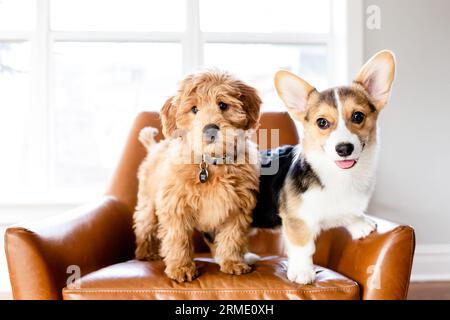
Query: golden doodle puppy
x,y
204,176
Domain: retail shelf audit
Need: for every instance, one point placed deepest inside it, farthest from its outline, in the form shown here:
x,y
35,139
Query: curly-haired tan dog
x,y
213,191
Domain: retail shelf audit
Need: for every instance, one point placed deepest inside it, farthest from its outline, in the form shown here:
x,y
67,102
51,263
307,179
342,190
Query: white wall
x,y
413,184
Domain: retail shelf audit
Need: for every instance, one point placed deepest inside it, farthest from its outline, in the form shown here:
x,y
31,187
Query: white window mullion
x,y
334,51
355,36
108,36
265,38
192,40
14,35
347,53
38,115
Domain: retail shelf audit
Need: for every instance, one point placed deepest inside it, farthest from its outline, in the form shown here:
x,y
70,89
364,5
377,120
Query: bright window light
x,y
117,15
303,16
17,15
14,106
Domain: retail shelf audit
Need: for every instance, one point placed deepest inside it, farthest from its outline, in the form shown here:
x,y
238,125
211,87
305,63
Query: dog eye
x,y
358,117
223,106
194,109
323,123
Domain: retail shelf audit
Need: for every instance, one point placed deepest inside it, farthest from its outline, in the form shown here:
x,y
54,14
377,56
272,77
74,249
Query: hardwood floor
x,y
429,291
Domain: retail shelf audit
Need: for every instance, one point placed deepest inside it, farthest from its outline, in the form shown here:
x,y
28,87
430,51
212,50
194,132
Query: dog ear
x,y
377,76
294,91
168,118
251,104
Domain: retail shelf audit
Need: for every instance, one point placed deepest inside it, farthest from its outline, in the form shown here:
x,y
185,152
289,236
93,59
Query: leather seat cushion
x,y
146,280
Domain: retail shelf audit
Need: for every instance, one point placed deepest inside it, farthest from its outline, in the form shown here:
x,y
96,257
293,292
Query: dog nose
x,y
210,132
344,149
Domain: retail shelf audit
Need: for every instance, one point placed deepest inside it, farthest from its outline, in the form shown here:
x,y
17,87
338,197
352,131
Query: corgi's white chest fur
x,y
343,196
332,206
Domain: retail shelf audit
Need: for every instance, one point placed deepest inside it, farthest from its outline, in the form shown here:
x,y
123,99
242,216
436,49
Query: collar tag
x,y
203,175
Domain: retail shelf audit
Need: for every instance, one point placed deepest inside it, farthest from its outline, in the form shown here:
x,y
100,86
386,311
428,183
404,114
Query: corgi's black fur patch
x,y
302,176
299,171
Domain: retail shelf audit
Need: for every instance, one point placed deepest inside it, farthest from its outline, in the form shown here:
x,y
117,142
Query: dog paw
x,y
147,136
184,273
303,275
361,228
234,267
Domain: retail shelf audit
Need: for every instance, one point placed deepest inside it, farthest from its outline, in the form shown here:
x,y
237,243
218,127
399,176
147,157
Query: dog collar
x,y
207,159
216,160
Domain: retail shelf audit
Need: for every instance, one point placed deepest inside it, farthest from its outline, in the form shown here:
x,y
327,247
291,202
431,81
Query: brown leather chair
x,y
98,238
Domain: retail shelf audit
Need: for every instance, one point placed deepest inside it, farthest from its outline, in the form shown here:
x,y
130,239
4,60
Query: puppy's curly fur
x,y
172,202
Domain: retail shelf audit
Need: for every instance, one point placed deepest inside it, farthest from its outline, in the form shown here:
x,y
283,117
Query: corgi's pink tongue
x,y
345,164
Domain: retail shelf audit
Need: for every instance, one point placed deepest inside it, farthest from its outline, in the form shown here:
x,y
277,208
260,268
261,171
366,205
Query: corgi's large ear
x,y
294,91
377,76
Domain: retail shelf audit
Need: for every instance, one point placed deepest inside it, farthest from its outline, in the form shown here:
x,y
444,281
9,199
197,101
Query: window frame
x,y
344,52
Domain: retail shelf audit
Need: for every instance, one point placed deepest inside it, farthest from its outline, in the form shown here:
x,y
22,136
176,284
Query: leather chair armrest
x,y
89,237
381,263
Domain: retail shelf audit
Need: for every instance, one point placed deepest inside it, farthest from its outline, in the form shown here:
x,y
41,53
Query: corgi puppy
x,y
327,180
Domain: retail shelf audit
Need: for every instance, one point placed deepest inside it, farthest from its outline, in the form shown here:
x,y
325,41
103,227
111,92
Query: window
x,y
16,20
74,73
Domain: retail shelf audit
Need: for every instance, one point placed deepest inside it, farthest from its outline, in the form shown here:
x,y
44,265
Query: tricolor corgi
x,y
327,180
